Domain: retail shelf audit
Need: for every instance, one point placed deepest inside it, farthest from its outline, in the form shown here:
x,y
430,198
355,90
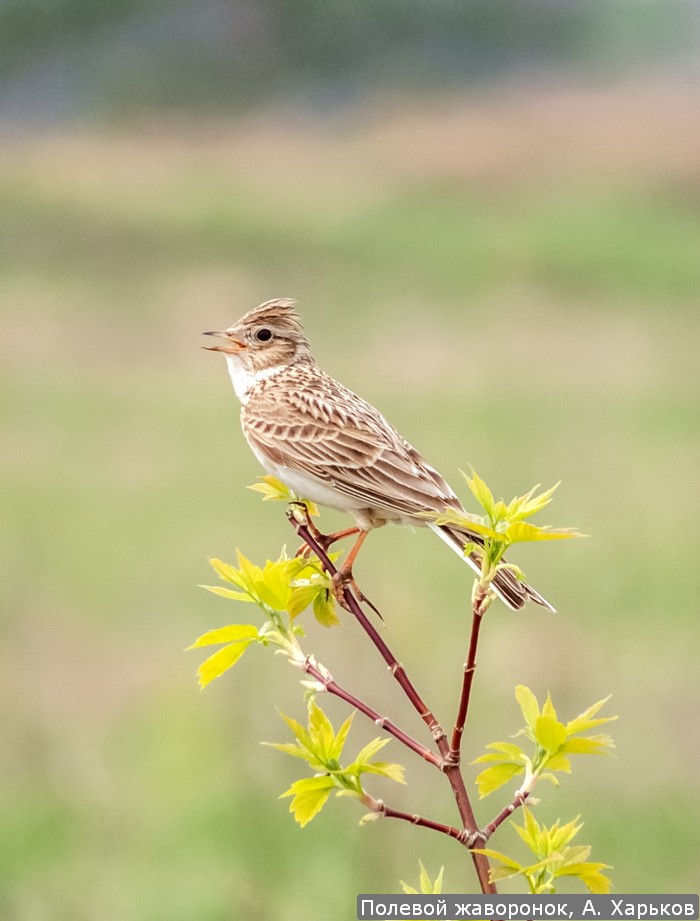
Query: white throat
x,y
244,380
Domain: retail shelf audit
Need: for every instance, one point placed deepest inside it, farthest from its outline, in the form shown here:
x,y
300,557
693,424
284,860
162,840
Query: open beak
x,y
232,347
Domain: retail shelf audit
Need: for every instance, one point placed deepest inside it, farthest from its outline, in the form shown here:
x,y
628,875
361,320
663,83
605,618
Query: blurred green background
x,y
489,214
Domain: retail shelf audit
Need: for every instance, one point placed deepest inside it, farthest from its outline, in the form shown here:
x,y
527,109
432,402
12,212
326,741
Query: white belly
x,y
308,487
366,516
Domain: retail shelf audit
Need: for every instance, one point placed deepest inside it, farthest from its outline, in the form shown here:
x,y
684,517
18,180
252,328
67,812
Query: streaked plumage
x,y
328,444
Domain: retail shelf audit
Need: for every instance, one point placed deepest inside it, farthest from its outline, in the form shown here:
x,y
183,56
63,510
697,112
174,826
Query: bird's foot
x,y
344,579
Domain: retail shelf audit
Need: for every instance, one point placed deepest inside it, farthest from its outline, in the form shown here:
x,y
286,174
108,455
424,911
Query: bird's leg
x,y
325,540
344,577
344,574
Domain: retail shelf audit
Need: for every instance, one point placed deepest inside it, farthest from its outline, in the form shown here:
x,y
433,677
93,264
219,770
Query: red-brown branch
x,y
330,685
395,667
505,813
448,764
469,669
380,807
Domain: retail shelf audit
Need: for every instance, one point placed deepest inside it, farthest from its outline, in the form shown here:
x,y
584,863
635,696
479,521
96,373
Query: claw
x,y
344,579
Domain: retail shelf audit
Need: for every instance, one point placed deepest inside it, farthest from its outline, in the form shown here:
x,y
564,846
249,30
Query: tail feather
x,y
512,592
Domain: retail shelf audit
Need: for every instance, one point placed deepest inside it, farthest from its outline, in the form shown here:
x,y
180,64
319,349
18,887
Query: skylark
x,y
329,445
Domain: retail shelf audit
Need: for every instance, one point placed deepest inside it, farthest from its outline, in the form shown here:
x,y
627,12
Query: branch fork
x,y
449,757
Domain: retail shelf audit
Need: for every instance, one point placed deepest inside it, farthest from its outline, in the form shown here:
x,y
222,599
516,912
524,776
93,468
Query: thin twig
x,y
330,685
506,812
380,807
469,669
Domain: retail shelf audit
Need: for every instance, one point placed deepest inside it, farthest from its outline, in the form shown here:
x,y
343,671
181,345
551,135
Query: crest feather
x,y
278,311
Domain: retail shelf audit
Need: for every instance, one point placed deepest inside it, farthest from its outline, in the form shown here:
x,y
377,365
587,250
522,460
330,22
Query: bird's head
x,y
269,336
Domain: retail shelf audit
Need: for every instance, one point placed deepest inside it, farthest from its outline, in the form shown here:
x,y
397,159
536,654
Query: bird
x,y
330,446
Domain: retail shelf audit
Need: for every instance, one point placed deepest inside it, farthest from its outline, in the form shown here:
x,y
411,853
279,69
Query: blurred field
x,y
513,278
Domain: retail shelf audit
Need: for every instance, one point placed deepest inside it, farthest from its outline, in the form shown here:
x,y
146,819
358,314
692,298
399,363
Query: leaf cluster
x,y
502,526
321,747
282,588
554,743
555,857
426,885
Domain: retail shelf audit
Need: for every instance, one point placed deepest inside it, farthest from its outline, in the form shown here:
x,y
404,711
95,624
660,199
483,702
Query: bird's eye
x,y
263,335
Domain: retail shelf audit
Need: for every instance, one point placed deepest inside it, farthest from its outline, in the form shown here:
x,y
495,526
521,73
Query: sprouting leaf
x,y
588,745
554,856
300,598
525,506
509,749
481,492
321,747
386,769
324,609
318,743
554,743
591,876
556,761
504,859
427,886
528,704
220,661
364,765
274,490
524,532
585,720
370,750
309,796
548,707
531,833
231,634
492,778
466,521
282,585
327,745
228,593
550,733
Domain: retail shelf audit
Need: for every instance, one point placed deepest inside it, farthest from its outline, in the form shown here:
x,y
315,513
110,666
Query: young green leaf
x,y
309,796
585,721
481,492
387,769
234,633
528,705
550,733
280,586
324,609
554,855
220,661
524,506
274,490
507,862
493,778
590,875
426,885
364,765
321,747
554,741
524,532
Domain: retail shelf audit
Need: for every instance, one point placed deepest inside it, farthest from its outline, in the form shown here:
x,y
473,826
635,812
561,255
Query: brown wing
x,y
325,431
